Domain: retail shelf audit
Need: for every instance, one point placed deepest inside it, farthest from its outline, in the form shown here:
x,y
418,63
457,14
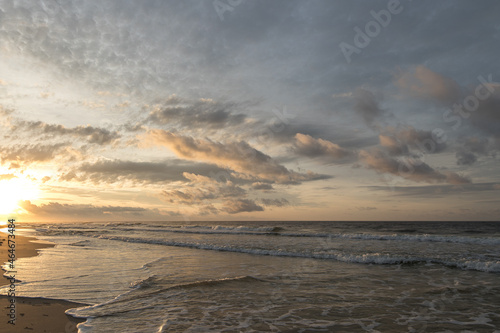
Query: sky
x,y
249,110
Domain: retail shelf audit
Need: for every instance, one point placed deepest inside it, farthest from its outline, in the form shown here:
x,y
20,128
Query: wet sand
x,y
33,314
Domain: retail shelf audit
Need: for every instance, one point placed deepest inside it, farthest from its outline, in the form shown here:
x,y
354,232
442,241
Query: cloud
x,y
393,145
94,135
238,156
400,140
367,106
470,148
111,171
30,153
424,83
241,205
208,210
7,176
196,114
275,202
262,186
308,146
86,211
485,116
214,196
366,208
465,158
202,188
471,105
409,169
444,190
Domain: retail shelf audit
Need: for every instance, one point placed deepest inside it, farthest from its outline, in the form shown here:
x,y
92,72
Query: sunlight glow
x,y
14,190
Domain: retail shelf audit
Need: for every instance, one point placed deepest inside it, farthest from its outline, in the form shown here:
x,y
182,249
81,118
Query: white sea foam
x,y
279,231
367,258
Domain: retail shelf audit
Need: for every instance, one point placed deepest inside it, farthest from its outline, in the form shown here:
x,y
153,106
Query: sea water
x,y
271,276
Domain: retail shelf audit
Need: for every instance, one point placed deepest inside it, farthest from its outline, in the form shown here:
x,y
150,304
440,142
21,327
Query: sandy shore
x,y
33,314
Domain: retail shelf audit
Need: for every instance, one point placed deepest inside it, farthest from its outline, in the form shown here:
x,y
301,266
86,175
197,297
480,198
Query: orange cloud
x,y
238,156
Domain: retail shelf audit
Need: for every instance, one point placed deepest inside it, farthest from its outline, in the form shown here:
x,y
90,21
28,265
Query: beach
x,y
143,277
33,314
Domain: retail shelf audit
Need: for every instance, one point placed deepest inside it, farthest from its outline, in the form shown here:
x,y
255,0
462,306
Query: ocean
x,y
271,276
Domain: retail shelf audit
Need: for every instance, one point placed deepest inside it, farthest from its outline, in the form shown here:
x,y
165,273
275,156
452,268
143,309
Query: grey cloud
x,y
94,135
366,208
111,171
465,158
367,105
412,170
476,105
262,186
470,148
276,202
196,114
201,189
31,153
443,190
476,145
208,210
241,206
486,116
86,211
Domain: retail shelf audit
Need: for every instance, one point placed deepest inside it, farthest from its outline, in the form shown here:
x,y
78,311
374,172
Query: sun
x,y
14,190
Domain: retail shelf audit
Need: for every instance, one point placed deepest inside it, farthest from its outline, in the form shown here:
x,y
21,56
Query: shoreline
x,y
33,314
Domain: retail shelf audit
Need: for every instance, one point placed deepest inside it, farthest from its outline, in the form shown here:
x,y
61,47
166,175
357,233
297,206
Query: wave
x,y
368,258
146,283
404,237
274,231
137,294
278,231
82,243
